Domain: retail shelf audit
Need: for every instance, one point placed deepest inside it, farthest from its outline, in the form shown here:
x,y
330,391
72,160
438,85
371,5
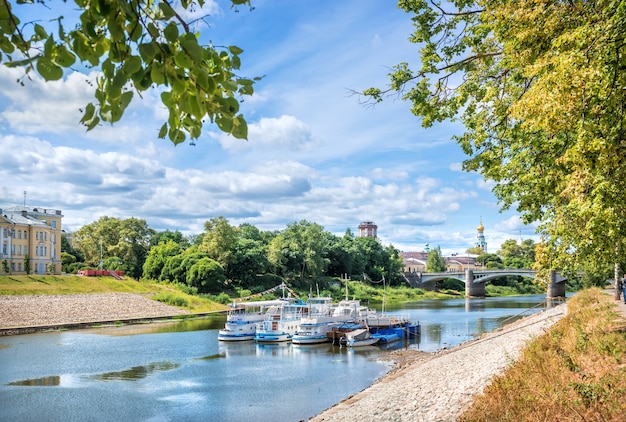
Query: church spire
x,y
480,237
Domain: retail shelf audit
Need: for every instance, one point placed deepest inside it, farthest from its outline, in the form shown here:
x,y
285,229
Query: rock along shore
x,y
440,386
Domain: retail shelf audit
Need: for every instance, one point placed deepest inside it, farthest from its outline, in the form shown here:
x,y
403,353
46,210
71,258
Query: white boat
x,y
319,320
281,322
243,318
352,310
360,337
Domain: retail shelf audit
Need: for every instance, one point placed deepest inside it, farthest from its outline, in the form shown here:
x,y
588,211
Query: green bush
x,y
171,299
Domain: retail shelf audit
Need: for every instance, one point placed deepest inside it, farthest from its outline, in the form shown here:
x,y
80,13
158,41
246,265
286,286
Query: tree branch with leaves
x,y
137,45
540,88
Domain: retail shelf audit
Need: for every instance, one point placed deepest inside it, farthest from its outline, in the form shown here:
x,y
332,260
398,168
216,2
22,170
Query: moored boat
x,y
387,336
243,318
321,317
280,323
359,337
339,331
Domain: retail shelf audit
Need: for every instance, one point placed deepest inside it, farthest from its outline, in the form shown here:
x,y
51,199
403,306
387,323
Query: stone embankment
x,y
440,386
28,313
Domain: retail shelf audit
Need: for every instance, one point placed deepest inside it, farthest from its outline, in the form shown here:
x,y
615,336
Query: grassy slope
x,y
574,372
70,284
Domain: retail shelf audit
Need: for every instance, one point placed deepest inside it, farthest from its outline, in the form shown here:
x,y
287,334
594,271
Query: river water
x,y
180,372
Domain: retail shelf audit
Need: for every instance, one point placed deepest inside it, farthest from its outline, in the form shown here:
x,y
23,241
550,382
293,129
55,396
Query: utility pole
x,y
101,263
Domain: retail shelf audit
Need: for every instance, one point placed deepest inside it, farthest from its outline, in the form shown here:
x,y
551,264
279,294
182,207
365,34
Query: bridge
x,y
475,280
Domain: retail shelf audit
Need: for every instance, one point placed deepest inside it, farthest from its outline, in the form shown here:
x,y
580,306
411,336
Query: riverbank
x,y
440,386
30,313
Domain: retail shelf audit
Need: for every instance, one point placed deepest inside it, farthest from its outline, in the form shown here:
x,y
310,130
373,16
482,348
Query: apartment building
x,y
30,235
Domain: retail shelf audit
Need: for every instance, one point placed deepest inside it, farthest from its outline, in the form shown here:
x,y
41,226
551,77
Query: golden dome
x,y
480,226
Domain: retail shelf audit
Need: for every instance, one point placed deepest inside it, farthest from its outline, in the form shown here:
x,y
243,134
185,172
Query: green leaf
x,y
171,31
63,57
148,51
183,60
157,74
167,10
189,43
108,68
89,112
235,50
116,31
132,65
163,131
40,32
225,124
240,128
48,70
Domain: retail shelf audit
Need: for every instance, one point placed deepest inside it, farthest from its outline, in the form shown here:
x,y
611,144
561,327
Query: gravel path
x,y
439,387
44,310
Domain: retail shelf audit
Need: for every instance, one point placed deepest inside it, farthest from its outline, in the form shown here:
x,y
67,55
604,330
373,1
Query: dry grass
x,y
575,372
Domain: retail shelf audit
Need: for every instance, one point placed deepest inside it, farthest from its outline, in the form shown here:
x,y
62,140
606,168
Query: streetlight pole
x,y
101,263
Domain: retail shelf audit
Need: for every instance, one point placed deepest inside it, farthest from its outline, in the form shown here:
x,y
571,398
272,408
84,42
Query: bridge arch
x,y
475,280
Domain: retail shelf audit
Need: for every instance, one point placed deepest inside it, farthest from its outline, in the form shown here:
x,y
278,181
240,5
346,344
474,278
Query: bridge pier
x,y
473,289
555,288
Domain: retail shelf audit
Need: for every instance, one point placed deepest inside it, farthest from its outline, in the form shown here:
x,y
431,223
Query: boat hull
x,y
223,335
298,339
360,343
270,337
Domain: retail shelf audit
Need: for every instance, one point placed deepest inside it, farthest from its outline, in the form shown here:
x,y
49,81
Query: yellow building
x,y
30,234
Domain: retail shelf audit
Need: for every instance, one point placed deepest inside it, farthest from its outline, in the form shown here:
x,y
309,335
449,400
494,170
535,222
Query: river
x,y
179,371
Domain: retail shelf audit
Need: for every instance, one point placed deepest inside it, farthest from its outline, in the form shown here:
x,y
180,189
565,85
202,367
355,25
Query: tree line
x,y
227,258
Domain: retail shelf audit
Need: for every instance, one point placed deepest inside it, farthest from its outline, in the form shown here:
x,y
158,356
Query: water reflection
x,y
175,326
51,381
137,372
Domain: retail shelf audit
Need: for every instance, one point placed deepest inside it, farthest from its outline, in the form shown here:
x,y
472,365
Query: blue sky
x,y
314,151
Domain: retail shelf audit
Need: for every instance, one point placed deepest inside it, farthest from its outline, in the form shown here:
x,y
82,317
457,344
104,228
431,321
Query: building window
x,y
25,234
45,236
19,249
13,233
53,223
25,250
12,266
36,235
12,249
19,266
19,234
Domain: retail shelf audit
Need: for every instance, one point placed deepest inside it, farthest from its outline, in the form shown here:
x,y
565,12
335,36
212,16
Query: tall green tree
x,y
137,45
157,257
540,88
207,275
300,249
219,240
128,240
436,263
